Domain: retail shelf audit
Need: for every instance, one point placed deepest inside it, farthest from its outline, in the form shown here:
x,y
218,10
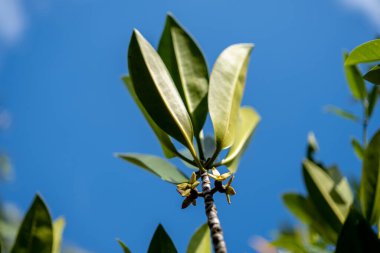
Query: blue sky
x,y
60,68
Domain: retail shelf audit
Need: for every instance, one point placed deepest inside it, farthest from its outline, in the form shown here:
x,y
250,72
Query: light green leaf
x,y
124,247
188,68
249,119
355,81
157,92
36,231
161,242
200,242
370,181
359,150
366,52
156,165
166,144
372,100
58,227
227,83
341,113
373,75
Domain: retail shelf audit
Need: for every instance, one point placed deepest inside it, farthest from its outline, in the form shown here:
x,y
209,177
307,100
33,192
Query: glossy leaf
x,y
161,242
36,231
123,246
157,92
355,81
58,227
166,144
200,242
370,181
249,119
188,68
357,236
373,75
227,83
366,52
359,150
156,165
372,100
341,113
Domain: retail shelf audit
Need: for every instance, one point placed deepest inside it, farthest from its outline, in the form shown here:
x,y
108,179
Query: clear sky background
x,y
60,68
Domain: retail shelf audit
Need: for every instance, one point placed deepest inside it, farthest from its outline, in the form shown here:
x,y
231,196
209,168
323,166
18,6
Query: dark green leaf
x,y
357,236
341,113
36,231
200,242
161,242
372,100
373,75
188,68
227,83
366,52
124,247
156,165
370,181
355,81
359,150
157,92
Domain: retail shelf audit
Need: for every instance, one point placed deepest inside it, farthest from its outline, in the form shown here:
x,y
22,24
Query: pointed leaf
x,y
188,68
341,113
366,52
227,83
359,150
249,119
373,75
370,181
200,242
156,165
166,144
161,242
355,81
124,247
157,92
372,100
58,227
36,231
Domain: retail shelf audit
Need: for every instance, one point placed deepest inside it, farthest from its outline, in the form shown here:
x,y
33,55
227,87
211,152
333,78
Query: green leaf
x,y
333,198
208,145
156,165
357,236
359,150
290,239
366,52
200,242
372,100
373,75
249,119
161,242
227,83
58,227
157,92
188,68
124,247
370,181
355,81
341,113
166,144
36,231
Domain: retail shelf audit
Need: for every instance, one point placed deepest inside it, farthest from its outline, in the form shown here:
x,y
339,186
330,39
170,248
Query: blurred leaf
x,y
291,240
166,144
373,75
357,236
249,119
156,165
36,231
124,247
157,92
341,113
372,99
370,181
366,52
227,83
208,145
58,227
5,167
161,242
359,150
200,242
188,68
355,81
